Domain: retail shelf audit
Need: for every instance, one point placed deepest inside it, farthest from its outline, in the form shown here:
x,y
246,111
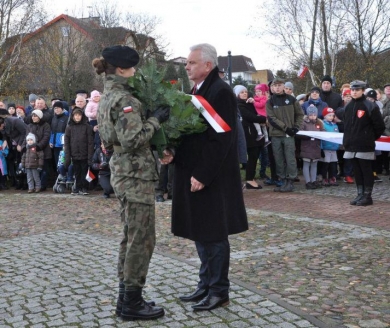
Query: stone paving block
x,y
303,324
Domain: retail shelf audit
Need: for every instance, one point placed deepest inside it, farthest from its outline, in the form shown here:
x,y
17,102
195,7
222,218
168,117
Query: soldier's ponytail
x,y
101,66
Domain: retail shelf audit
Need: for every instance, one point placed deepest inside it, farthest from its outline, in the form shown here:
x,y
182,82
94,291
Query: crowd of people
x,y
42,144
111,132
357,111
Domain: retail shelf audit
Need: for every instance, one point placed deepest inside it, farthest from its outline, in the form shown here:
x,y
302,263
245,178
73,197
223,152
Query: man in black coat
x,y
208,203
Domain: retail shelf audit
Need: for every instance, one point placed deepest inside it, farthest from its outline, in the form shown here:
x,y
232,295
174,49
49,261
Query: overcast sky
x,y
223,23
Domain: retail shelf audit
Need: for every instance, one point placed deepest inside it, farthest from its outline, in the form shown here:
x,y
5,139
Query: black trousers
x,y
253,157
214,268
80,168
364,175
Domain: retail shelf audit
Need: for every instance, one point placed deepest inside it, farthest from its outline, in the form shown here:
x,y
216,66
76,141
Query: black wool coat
x,y
217,210
249,116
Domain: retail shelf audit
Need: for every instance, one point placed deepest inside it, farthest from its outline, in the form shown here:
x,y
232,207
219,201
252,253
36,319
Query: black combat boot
x,y
360,191
366,199
135,308
119,302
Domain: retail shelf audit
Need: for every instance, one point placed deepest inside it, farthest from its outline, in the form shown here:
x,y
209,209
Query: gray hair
x,y
208,53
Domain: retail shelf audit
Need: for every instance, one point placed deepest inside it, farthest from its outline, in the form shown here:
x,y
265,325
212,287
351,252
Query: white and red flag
x,y
302,71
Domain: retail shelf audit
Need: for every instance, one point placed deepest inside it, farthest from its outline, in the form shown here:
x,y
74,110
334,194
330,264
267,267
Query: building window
x,y
65,30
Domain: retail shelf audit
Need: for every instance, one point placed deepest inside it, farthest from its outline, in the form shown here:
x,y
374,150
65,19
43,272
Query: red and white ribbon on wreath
x,y
209,113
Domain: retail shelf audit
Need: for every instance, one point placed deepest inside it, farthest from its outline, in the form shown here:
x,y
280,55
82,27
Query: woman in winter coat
x,y
249,116
316,101
79,149
41,129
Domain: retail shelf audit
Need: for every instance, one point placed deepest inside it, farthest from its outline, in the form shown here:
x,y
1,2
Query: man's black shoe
x,y
211,302
195,296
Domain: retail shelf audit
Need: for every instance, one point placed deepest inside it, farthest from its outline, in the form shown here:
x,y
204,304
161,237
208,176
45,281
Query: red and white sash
x,y
209,113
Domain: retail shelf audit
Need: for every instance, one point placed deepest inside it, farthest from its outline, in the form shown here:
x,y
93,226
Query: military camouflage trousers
x,y
137,245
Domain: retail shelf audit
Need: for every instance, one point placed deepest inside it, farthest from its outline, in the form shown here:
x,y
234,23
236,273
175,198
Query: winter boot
x,y
366,199
134,307
288,187
119,302
360,191
279,188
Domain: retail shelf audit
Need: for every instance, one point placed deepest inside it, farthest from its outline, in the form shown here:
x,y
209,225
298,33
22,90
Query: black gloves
x,y
292,131
161,113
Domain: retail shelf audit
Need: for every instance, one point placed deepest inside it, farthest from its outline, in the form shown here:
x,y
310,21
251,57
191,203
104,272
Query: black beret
x,y
121,56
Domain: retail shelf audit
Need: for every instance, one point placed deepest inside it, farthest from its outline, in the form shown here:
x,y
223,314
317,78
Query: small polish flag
x,y
90,176
302,71
127,109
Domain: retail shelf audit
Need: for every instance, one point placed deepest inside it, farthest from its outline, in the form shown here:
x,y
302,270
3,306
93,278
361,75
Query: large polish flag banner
x,y
383,143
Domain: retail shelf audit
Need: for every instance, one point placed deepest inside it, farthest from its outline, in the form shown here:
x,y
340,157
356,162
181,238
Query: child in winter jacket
x,y
329,166
311,147
92,107
32,162
79,149
261,97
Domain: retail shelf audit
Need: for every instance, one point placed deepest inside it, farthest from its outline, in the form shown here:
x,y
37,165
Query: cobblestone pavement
x,y
309,259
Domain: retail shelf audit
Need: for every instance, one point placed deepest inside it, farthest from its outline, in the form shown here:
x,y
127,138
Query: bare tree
x,y
141,27
17,19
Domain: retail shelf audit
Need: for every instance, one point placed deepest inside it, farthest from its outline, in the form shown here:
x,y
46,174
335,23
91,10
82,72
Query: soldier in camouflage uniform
x,y
123,128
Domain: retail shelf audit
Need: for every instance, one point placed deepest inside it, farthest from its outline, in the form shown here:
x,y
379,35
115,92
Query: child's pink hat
x,y
263,87
95,93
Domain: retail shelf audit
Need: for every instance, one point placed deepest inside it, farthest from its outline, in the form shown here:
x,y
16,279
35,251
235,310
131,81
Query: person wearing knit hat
x,y
238,89
37,113
314,99
333,99
11,107
289,88
329,162
310,148
301,98
254,136
58,125
346,96
31,99
32,161
312,110
92,108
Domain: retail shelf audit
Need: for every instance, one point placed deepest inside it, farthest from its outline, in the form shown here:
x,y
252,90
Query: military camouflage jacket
x,y
122,126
